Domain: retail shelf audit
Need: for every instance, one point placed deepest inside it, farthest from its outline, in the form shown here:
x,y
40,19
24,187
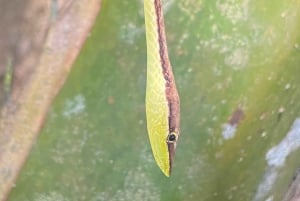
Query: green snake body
x,y
162,100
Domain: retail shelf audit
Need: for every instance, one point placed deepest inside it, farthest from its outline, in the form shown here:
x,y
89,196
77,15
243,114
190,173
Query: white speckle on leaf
x,y
281,110
183,38
287,86
264,134
233,10
238,58
223,101
228,131
189,70
74,106
235,47
283,14
191,7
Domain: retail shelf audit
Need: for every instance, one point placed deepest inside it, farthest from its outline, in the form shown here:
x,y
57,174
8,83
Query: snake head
x,y
171,141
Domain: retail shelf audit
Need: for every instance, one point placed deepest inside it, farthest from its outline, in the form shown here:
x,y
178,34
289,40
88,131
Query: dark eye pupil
x,y
172,137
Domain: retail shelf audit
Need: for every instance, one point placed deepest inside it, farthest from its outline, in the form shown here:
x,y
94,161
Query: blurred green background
x,y
226,54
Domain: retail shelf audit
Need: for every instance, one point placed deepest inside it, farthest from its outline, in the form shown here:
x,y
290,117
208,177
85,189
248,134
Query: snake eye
x,y
172,137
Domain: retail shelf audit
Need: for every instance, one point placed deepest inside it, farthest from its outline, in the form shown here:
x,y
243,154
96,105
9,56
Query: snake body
x,y
162,100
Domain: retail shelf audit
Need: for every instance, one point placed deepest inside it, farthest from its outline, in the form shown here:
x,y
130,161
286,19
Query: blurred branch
x,y
41,45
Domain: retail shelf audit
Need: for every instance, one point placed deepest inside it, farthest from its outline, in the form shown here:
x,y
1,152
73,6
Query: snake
x,y
162,99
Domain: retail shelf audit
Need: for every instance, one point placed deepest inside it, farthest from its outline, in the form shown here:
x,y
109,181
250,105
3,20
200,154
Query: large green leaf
x,y
237,67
